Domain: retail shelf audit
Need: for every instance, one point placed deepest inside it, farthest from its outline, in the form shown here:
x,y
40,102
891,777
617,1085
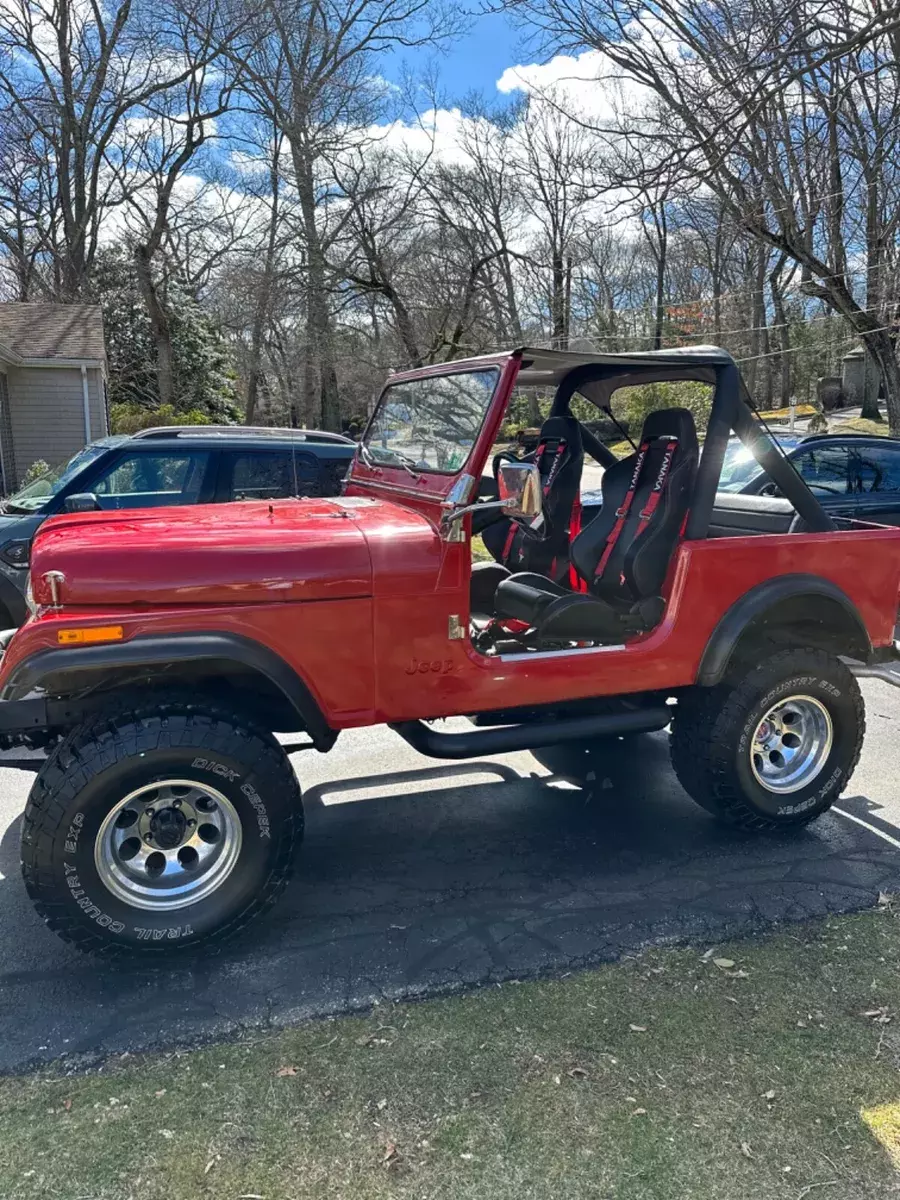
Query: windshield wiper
x,y
408,464
366,454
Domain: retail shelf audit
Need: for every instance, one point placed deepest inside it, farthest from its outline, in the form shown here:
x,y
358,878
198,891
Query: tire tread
x,y
701,758
105,740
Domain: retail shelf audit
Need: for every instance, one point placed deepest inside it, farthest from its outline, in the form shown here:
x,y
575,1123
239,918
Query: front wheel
x,y
159,828
775,744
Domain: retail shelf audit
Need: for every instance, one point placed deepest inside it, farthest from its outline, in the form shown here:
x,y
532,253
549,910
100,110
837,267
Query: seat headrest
x,y
562,427
671,422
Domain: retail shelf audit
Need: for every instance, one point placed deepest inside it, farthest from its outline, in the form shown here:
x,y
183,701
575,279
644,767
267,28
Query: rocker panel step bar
x,y
887,672
531,735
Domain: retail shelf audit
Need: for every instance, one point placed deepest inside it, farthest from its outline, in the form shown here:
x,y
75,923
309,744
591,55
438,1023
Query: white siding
x,y
47,413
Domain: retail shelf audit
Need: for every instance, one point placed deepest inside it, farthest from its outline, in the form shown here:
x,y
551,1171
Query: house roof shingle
x,y
53,330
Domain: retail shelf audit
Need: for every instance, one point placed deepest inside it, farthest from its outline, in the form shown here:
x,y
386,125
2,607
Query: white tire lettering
x,y
158,935
262,817
87,906
206,764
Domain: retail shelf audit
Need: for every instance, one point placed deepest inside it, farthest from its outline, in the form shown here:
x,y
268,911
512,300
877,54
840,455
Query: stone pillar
x,y
862,381
853,375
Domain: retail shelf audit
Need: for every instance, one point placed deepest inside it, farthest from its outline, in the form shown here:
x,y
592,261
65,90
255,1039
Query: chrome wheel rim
x,y
168,844
791,744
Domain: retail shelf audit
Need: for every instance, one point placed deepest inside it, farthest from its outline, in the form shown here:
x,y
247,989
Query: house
x,y
52,385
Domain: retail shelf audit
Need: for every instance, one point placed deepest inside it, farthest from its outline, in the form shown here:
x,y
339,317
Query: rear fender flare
x,y
164,650
751,609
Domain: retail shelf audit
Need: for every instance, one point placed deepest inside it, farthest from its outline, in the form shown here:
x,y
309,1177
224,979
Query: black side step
x,y
531,735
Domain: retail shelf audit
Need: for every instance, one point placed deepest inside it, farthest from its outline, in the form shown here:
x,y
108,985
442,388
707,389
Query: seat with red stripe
x,y
560,458
624,553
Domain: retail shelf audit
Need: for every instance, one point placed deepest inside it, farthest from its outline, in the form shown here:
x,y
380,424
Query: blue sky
x,y
475,61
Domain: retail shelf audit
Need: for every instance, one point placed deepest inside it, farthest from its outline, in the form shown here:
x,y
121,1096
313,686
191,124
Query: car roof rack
x,y
848,437
295,435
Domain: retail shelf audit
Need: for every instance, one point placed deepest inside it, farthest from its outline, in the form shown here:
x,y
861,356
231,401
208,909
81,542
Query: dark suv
x,y
206,464
852,475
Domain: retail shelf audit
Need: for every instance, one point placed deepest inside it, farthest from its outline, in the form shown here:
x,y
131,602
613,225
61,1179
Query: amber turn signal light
x,y
96,633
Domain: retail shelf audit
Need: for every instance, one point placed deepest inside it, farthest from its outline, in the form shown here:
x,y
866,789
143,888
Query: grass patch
x,y
860,425
769,1070
480,552
777,414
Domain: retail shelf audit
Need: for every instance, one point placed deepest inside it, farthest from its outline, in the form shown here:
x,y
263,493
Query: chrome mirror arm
x,y
452,514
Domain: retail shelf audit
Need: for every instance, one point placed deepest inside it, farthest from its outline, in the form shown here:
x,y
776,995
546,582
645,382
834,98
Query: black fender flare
x,y
165,649
759,600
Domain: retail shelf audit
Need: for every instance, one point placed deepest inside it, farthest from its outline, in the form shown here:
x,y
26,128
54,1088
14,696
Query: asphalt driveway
x,y
419,877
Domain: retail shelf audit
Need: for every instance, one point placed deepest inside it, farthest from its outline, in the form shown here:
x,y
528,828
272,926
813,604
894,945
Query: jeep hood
x,y
244,553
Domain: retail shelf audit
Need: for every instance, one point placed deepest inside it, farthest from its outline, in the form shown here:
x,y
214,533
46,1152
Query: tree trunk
x,y
298,418
254,369
882,349
755,371
264,295
558,302
159,323
661,251
874,287
404,326
782,335
511,302
319,332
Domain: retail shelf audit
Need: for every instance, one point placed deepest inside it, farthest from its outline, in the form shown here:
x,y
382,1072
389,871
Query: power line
x,y
798,349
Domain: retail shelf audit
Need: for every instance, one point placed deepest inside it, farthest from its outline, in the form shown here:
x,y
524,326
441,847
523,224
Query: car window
x,y
430,424
875,469
268,475
825,469
145,480
739,467
34,496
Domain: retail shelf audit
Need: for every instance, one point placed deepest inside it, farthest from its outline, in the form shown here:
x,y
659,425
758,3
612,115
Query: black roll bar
x,y
792,487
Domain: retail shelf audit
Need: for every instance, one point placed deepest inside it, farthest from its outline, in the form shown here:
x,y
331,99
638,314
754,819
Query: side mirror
x,y
521,499
770,489
82,502
520,493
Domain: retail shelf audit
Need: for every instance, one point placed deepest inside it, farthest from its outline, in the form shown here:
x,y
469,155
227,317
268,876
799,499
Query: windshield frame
x,y
416,468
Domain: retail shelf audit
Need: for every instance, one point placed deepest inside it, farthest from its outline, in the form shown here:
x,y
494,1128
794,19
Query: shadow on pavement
x,y
443,888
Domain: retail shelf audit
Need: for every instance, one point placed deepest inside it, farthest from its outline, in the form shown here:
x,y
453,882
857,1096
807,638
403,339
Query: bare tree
x,y
176,127
72,76
558,180
755,102
310,72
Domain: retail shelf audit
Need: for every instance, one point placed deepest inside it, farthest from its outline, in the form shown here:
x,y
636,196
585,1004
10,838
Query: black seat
x,y
560,459
623,554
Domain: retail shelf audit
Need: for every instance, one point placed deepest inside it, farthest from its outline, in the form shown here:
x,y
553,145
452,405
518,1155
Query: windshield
x,y
430,424
33,497
740,467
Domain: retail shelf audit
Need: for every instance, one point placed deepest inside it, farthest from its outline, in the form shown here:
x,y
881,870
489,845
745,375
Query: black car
x,y
203,464
852,475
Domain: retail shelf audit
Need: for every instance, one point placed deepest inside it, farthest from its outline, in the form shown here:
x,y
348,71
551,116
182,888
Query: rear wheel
x,y
160,828
775,744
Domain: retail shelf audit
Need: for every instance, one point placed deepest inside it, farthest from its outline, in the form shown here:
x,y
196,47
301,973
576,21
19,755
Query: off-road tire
x,y
713,728
109,756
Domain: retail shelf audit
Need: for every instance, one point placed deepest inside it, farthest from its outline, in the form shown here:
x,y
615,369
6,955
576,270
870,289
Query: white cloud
x,y
588,85
563,69
436,131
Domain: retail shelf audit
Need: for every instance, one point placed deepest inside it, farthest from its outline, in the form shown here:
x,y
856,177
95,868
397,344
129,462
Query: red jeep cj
x,y
165,646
